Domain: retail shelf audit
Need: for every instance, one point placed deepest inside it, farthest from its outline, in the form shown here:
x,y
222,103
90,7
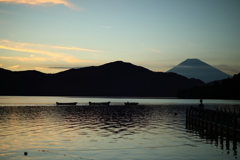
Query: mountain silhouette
x,y
195,68
228,89
111,79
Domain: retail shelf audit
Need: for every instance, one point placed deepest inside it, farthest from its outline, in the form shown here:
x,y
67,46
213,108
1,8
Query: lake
x,y
153,130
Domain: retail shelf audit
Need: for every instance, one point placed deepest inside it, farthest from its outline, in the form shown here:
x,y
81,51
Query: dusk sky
x,y
55,35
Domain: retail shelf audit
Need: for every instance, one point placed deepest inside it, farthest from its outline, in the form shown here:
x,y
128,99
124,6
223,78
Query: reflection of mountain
x,y
112,79
194,68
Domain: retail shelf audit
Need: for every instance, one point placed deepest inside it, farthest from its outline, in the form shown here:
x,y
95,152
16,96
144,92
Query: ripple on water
x,y
103,132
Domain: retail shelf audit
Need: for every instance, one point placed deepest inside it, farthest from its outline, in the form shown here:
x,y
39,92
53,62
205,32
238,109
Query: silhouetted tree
x,y
229,89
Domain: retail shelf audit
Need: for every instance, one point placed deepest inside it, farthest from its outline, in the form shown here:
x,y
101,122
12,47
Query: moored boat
x,y
99,103
131,103
68,103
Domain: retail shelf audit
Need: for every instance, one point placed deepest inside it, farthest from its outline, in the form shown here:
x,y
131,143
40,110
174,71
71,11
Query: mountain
x,y
111,79
195,68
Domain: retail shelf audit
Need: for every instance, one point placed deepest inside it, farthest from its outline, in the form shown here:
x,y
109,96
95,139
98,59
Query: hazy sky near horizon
x,y
54,35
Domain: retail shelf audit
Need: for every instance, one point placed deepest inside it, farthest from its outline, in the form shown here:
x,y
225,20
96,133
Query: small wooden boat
x,y
99,103
68,103
131,103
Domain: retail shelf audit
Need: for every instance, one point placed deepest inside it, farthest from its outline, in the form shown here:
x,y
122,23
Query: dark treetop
x,y
226,89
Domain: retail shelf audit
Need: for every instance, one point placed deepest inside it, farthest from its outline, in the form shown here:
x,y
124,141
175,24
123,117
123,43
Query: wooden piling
x,y
187,117
199,120
234,127
213,123
206,122
202,122
227,126
221,126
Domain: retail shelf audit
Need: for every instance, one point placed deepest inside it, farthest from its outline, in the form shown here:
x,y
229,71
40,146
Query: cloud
x,y
233,69
64,67
223,65
192,44
8,43
55,68
40,2
106,27
60,67
2,11
77,49
41,68
12,67
25,59
154,50
1,65
43,50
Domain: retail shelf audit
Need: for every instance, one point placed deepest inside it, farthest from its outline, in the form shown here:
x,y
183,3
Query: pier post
x,y
234,128
213,123
216,125
194,118
210,124
221,125
190,118
199,121
227,126
187,117
202,122
206,122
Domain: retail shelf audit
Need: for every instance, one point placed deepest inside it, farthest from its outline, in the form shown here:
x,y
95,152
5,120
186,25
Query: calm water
x,y
149,131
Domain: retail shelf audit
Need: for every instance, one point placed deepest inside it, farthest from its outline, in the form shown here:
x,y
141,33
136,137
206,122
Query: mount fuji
x,y
195,68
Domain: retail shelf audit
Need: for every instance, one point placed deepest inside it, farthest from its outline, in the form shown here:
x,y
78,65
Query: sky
x,y
54,35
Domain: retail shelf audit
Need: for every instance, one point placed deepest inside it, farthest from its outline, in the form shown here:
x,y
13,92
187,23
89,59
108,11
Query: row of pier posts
x,y
213,123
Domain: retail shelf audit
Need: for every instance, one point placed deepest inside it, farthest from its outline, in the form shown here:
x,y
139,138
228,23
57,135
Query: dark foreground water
x,y
105,133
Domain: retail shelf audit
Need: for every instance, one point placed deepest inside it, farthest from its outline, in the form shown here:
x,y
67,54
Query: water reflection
x,y
225,144
115,120
99,132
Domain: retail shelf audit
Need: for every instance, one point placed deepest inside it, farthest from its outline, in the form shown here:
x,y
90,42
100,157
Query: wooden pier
x,y
214,123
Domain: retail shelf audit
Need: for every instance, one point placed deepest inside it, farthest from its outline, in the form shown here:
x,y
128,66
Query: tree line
x,y
226,89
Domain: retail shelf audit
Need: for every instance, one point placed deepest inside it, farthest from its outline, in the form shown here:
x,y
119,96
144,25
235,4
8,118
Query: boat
x,y
99,103
131,103
68,103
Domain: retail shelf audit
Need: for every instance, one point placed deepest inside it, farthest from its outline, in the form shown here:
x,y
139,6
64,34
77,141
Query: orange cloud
x,y
1,65
50,68
40,68
41,49
16,66
7,43
39,2
26,58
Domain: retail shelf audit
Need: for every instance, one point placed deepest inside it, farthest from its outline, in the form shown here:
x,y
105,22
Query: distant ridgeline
x,y
228,89
111,79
